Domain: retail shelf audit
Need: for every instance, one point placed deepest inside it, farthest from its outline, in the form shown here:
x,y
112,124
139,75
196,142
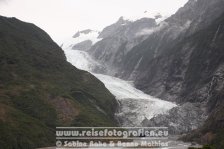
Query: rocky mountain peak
x,y
82,39
86,31
121,21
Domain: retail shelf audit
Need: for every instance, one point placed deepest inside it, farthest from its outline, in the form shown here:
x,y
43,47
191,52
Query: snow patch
x,y
147,14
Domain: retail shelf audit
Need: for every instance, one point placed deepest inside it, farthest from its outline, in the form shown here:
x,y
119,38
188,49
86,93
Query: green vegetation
x,y
39,90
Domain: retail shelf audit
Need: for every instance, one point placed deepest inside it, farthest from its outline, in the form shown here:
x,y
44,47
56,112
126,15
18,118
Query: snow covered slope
x,y
147,14
81,36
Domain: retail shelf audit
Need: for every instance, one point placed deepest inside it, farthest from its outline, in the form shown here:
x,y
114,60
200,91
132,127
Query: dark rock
x,y
83,46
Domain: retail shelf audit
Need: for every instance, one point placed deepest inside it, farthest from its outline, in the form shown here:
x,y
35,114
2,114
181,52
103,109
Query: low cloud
x,y
150,31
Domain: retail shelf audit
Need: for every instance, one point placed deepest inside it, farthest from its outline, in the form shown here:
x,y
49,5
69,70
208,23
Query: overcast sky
x,y
62,18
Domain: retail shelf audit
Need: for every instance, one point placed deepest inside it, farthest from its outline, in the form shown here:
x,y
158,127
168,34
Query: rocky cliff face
x,y
186,67
121,51
194,16
117,40
183,64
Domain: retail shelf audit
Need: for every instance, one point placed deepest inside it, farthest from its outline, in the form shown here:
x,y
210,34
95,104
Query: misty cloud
x,y
65,17
3,1
150,31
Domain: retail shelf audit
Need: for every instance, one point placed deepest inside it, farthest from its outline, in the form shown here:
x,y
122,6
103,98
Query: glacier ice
x,y
135,105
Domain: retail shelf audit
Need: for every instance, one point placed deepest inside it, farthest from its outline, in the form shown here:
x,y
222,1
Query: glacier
x,y
135,105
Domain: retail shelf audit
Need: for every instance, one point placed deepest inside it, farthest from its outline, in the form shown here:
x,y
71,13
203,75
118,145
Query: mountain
x,y
110,46
82,40
208,81
117,40
194,16
180,60
183,62
118,48
40,90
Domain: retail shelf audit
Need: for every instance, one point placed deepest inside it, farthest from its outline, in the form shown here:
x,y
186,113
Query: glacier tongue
x,y
80,59
135,105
